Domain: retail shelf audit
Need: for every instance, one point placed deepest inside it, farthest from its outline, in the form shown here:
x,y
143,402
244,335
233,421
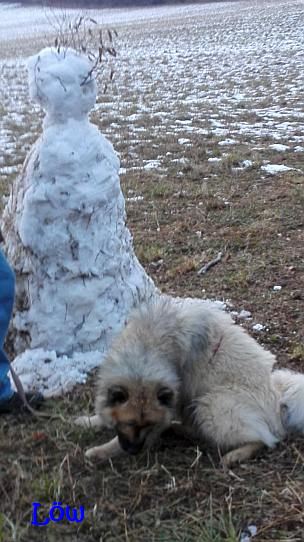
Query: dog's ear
x,y
165,396
117,395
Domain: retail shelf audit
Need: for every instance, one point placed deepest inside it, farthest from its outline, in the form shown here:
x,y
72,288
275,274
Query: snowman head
x,y
62,83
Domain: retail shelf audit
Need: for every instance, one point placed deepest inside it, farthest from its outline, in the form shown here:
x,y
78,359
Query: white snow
x,y
228,141
183,140
61,83
8,170
248,533
279,147
244,315
51,374
274,169
246,164
258,327
22,22
152,164
155,80
135,198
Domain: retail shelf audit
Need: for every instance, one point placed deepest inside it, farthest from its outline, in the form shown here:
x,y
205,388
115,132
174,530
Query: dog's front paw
x,y
241,454
88,422
105,451
82,421
97,452
231,458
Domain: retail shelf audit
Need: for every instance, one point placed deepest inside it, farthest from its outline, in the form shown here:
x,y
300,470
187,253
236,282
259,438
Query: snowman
x,y
64,223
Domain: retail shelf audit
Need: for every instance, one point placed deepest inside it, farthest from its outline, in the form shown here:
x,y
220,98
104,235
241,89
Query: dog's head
x,y
139,412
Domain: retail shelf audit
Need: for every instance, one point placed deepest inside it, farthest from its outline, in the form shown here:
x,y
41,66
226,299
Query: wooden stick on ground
x,y
208,265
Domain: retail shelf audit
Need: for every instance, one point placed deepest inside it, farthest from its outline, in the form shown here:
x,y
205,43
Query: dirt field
x,y
204,101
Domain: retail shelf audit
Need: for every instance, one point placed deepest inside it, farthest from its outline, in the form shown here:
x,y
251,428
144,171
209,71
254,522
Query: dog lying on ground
x,y
189,362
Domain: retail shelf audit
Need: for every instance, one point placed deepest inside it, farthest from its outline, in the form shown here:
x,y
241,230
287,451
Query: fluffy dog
x,y
188,361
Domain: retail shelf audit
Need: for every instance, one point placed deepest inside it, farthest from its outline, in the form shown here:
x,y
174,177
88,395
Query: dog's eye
x,y
165,396
117,394
130,424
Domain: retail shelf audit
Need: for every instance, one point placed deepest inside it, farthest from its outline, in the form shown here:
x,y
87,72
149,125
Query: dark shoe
x,y
15,405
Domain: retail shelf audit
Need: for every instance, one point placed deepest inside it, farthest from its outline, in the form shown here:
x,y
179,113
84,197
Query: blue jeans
x,y
7,294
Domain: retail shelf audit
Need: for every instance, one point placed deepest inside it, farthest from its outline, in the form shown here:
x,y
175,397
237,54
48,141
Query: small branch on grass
x,y
208,265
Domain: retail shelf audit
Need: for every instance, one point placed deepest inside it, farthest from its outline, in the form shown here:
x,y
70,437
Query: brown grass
x,y
176,493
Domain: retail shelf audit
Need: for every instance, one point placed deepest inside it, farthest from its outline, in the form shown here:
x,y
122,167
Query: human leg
x,y
7,293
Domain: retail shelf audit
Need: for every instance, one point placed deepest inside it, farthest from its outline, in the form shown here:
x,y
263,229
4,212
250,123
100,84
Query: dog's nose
x,y
131,447
134,449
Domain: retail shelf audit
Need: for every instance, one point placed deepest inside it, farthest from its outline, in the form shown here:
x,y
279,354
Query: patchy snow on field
x,y
230,70
274,169
22,22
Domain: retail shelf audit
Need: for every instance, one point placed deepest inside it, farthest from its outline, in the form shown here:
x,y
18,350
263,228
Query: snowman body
x,y
64,224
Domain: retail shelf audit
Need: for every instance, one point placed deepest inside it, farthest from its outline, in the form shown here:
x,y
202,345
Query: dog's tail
x,y
291,388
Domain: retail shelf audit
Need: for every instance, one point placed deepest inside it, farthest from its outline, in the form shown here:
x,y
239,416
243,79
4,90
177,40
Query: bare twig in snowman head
x,y
63,83
84,35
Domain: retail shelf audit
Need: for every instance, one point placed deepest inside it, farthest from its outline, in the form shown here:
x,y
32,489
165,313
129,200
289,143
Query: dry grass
x,y
177,493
